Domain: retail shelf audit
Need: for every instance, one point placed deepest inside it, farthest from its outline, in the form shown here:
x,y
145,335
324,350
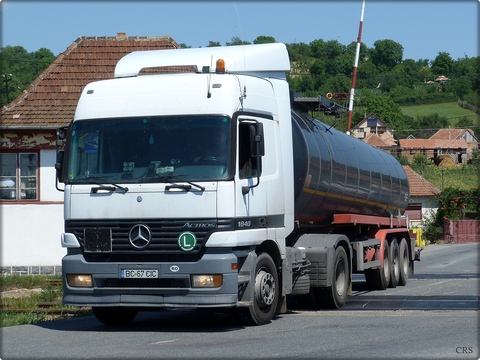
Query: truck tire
x,y
266,293
378,279
114,315
395,264
403,262
334,296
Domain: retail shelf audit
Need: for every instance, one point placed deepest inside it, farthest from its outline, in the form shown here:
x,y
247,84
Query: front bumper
x,y
172,288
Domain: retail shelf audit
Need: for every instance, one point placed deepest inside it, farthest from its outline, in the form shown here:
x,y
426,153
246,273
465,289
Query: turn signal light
x,y
75,280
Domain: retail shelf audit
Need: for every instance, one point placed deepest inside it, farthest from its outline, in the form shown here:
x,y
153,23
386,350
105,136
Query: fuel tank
x,y
339,174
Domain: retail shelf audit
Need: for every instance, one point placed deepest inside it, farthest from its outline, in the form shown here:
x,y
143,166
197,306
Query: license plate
x,y
138,273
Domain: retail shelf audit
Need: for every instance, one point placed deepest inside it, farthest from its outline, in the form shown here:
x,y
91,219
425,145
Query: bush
x,y
432,228
420,160
403,160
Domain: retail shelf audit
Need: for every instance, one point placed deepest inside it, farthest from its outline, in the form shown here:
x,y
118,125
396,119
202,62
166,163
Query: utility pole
x,y
354,77
7,78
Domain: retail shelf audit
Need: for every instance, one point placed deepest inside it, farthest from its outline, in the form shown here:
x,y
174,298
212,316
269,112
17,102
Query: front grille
x,y
164,241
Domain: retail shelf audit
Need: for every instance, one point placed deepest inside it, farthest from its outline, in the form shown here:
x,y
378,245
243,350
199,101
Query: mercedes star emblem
x,y
140,236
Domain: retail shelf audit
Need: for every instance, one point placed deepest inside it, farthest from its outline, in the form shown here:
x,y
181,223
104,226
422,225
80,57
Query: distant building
x,y
372,124
31,207
423,203
457,150
458,134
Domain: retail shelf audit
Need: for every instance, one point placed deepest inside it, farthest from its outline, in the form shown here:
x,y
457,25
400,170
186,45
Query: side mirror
x,y
256,139
59,165
60,143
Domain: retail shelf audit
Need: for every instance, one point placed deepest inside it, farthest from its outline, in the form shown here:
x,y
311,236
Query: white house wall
x,y
429,209
48,192
30,233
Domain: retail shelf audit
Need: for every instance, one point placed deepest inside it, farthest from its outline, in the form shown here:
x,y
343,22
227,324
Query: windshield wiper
x,y
111,187
101,186
171,178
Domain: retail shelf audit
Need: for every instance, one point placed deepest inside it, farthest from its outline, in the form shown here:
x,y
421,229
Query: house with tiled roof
x,y
457,150
423,203
30,205
458,134
372,124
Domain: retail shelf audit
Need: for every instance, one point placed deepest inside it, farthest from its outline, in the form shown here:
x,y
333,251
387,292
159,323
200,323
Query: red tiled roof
x,y
451,134
375,140
51,99
448,134
419,187
432,144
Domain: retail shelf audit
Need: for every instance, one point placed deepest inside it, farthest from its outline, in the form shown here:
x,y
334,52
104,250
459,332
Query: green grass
x,y
464,177
452,111
31,309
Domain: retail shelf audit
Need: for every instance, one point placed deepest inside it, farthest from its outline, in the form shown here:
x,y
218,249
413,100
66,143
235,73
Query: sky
x,y
423,28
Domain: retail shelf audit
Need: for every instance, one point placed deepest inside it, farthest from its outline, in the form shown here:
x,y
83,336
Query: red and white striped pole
x,y
354,78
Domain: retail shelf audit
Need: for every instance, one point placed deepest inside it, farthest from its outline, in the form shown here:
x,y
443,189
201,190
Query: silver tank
x,y
339,174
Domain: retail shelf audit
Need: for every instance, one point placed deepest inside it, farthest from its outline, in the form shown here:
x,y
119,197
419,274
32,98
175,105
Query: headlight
x,y
75,280
209,281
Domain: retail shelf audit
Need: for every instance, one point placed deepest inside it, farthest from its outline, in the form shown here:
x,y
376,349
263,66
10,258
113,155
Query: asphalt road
x,y
434,317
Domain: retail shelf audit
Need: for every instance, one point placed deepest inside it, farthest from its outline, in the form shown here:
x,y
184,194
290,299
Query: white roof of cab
x,y
238,59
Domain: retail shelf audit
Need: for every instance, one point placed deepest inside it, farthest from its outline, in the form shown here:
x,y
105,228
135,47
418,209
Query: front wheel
x,y
265,293
114,315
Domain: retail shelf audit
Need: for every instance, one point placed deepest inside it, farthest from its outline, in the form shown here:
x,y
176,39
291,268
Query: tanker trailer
x,y
347,192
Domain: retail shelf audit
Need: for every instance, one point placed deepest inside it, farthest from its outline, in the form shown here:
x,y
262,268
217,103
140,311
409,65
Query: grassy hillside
x,y
464,177
452,111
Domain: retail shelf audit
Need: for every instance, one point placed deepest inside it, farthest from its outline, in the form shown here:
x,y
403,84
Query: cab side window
x,y
248,164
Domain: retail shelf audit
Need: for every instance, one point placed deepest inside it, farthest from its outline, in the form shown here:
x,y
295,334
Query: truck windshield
x,y
150,149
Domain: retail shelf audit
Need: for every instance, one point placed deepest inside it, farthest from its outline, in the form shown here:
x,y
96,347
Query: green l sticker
x,y
187,241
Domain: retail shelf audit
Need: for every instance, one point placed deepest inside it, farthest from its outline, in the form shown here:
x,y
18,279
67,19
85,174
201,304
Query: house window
x,y
19,176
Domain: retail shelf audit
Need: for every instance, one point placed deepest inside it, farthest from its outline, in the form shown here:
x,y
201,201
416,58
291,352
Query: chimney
x,y
121,36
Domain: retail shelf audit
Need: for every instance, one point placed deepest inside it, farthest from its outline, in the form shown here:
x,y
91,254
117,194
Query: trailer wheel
x,y
403,262
114,315
378,279
335,296
395,264
265,293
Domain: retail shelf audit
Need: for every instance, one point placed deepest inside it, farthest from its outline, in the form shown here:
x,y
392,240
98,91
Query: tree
x,y
386,54
23,66
464,123
213,44
317,49
443,64
462,86
298,51
264,40
237,41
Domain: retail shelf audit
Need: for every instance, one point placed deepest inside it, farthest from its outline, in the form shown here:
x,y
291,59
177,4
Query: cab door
x,y
256,176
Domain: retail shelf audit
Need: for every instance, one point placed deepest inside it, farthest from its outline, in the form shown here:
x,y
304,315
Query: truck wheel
x,y
403,262
395,262
334,296
378,279
114,315
265,293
